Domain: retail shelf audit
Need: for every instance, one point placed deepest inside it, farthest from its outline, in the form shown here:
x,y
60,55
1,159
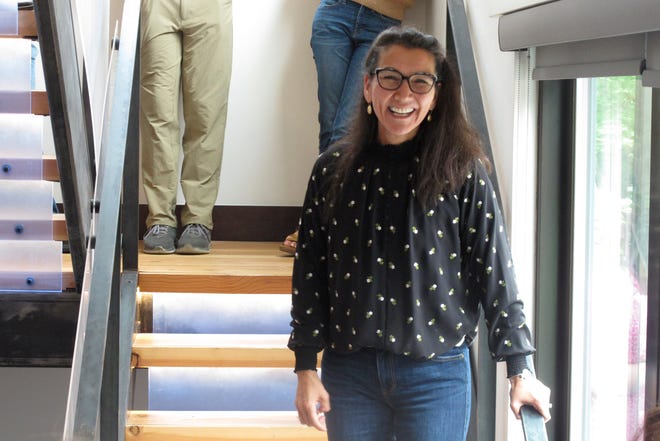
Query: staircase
x,y
24,107
216,361
238,366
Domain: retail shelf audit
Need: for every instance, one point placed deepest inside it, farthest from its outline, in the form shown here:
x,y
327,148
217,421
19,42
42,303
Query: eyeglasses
x,y
391,79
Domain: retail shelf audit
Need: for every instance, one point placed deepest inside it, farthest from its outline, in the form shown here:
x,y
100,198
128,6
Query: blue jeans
x,y
342,32
379,396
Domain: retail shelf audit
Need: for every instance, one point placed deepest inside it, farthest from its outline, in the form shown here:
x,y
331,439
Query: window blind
x,y
588,38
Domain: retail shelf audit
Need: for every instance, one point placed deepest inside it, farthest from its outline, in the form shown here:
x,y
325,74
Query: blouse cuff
x,y
515,364
305,359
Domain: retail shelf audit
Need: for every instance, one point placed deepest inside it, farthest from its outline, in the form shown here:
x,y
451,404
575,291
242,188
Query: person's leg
x,y
432,397
160,60
332,47
358,411
206,66
368,24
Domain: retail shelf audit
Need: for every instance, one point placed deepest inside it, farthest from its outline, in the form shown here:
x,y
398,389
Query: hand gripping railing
x,y
100,377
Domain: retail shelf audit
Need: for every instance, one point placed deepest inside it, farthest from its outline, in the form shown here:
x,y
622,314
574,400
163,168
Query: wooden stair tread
x,y
218,425
39,100
59,227
50,172
213,350
27,25
230,267
68,280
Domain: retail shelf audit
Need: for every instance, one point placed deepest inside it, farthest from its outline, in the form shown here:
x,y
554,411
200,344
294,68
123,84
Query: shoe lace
x,y
197,230
158,230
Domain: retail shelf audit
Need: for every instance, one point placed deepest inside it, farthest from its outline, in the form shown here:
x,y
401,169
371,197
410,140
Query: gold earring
x,y
428,117
369,109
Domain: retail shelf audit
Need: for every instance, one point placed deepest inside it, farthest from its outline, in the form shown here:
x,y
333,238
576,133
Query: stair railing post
x,y
130,195
95,388
459,45
130,235
109,411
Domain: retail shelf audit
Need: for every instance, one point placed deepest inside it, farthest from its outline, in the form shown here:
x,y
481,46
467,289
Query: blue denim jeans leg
x,y
379,396
342,32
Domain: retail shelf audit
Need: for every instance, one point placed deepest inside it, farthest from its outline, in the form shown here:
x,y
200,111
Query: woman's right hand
x,y
312,400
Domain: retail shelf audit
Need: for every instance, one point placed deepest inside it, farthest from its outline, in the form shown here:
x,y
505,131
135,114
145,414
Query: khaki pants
x,y
186,46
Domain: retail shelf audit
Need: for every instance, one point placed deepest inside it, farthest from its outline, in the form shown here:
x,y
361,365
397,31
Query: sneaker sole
x,y
159,250
189,249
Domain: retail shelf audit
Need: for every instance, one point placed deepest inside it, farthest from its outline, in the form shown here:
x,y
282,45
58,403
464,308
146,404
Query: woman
x,y
401,241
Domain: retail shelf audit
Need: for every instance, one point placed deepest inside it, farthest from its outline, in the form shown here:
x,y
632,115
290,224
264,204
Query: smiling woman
x,y
401,242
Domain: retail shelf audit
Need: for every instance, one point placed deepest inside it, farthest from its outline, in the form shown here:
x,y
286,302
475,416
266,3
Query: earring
x,y
428,117
369,109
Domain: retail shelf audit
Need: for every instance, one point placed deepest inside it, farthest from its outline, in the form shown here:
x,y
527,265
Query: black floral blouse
x,y
380,272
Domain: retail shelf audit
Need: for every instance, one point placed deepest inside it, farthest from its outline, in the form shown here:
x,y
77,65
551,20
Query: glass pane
x,y
611,282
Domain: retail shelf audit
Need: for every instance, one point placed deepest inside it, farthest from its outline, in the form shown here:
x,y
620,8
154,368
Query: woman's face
x,y
400,111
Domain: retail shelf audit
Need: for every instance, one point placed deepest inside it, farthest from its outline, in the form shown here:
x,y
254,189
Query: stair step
x,y
217,426
68,280
230,268
27,25
50,172
59,227
213,350
39,100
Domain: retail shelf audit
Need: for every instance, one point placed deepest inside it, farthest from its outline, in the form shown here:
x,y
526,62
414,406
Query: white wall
x,y
272,129
271,140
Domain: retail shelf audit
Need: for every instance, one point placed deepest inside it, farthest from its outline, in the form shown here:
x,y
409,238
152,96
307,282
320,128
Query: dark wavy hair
x,y
449,144
652,424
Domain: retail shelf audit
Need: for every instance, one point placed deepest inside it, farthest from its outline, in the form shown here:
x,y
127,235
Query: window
x,y
610,258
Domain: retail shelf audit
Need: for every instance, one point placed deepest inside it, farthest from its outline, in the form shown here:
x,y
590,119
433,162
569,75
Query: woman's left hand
x,y
532,392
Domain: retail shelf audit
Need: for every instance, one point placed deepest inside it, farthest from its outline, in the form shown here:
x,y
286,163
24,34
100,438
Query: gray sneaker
x,y
195,239
160,239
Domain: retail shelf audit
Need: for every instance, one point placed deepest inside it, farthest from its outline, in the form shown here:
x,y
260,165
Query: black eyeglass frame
x,y
435,78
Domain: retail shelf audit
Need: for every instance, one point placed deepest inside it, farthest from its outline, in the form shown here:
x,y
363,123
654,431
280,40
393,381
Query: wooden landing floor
x,y
230,267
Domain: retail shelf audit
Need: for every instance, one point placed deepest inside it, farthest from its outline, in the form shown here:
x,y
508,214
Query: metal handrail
x,y
98,391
